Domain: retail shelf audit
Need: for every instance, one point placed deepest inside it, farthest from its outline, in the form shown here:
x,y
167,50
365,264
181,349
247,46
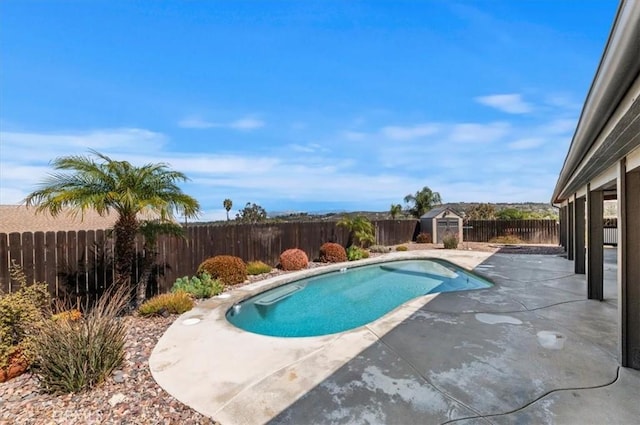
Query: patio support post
x,y
579,265
595,244
629,266
563,223
571,236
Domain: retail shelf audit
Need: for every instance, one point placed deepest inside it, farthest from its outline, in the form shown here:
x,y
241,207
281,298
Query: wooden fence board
x,y
27,256
71,265
4,263
50,273
61,259
15,254
90,260
82,260
193,255
39,257
168,263
100,265
184,267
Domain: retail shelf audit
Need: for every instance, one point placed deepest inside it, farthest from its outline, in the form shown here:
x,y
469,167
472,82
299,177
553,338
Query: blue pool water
x,y
342,300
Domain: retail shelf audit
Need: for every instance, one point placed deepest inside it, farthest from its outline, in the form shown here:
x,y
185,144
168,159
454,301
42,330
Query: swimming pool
x,y
349,298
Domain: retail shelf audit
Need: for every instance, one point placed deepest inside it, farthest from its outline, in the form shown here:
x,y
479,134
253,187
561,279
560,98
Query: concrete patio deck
x,y
532,349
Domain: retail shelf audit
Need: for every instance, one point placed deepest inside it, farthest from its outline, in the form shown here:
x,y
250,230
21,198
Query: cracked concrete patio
x,y
531,349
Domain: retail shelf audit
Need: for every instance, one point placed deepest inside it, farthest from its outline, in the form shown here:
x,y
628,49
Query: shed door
x,y
447,226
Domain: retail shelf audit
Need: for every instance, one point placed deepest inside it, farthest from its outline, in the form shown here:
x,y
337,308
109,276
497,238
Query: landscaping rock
x,y
117,399
118,376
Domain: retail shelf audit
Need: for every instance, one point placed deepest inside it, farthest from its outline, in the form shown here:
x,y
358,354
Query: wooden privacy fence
x,y
529,231
80,263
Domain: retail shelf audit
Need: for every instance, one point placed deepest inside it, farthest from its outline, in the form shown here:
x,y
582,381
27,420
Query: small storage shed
x,y
440,222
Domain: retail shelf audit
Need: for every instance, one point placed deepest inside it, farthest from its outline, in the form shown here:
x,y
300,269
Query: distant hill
x,y
545,210
541,209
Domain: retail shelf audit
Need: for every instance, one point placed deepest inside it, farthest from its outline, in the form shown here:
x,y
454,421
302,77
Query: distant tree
x,y
227,203
542,215
361,231
395,210
511,214
422,201
104,185
251,213
481,212
151,230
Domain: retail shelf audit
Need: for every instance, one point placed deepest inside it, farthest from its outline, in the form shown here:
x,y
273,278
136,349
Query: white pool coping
x,y
238,377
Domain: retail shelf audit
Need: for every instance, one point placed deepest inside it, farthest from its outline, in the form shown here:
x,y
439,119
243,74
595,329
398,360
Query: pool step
x,y
278,294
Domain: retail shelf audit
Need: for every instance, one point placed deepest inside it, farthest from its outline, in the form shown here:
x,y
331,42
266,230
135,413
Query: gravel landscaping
x,y
130,395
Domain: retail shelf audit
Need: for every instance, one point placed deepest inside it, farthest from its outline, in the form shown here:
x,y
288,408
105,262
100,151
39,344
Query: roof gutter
x,y
619,65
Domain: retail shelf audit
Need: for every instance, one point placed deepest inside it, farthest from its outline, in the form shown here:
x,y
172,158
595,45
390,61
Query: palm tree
x,y
361,231
151,230
227,203
100,183
395,210
422,201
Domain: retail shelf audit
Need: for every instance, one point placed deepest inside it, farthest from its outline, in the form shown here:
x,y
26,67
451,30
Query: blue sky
x,y
302,105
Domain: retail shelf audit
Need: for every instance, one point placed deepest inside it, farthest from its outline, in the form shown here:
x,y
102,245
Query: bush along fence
x,y
529,231
78,264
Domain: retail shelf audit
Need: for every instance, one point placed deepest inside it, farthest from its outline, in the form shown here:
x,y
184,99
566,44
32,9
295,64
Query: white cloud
x,y
24,162
509,103
247,124
561,126
564,101
409,132
479,133
202,162
491,169
354,136
242,124
308,148
196,123
524,144
127,139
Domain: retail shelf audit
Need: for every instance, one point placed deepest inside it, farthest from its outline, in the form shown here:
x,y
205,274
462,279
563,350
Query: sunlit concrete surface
x,y
530,349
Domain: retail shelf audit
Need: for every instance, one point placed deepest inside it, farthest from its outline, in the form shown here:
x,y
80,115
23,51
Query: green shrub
x,y
229,269
331,252
356,253
424,238
450,242
402,248
361,231
508,240
379,248
202,286
76,355
294,259
173,303
257,267
20,314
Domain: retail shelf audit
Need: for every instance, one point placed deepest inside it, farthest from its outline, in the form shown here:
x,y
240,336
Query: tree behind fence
x,y
78,264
